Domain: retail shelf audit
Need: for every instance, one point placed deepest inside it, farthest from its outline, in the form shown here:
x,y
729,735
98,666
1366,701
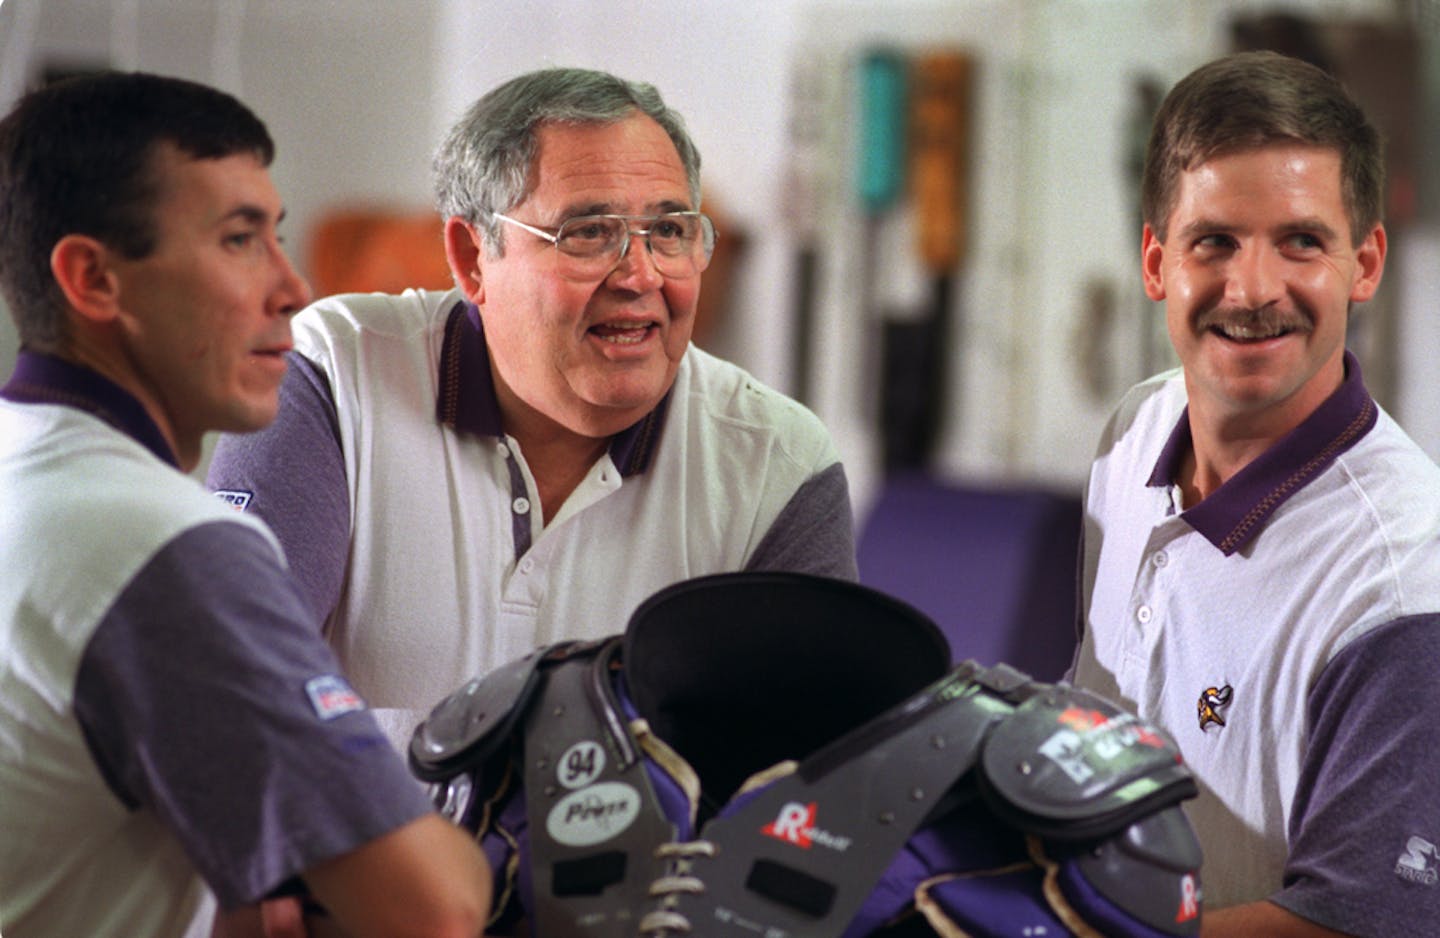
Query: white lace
x,y
664,920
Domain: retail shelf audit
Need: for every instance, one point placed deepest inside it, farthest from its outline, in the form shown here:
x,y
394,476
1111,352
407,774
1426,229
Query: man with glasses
x,y
460,477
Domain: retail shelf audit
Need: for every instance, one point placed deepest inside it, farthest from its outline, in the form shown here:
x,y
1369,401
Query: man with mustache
x,y
1261,563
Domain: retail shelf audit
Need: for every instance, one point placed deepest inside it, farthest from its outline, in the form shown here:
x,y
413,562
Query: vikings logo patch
x,y
1212,701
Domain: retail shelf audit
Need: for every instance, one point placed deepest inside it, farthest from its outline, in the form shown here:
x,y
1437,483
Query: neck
x,y
1221,448
1224,439
114,364
1203,470
559,462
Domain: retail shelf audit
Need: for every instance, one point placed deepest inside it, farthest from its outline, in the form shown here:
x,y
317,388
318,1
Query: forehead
x,y
1278,179
193,192
630,165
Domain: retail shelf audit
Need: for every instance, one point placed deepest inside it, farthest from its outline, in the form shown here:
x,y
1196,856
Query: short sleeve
x,y
1366,821
815,531
208,696
291,475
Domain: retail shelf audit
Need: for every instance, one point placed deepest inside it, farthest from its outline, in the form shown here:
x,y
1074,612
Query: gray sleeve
x,y
292,475
206,696
1365,829
814,532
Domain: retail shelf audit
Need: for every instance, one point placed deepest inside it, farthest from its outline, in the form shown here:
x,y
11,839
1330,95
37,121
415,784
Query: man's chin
x,y
607,417
250,419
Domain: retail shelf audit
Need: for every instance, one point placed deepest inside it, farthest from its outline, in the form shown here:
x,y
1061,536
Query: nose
x,y
291,293
1256,278
635,268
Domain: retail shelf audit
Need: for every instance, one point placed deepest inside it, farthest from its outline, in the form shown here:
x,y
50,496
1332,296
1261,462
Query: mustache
x,y
1267,320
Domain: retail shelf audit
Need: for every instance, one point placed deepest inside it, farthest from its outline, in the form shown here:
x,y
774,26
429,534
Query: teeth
x,y
618,336
1234,330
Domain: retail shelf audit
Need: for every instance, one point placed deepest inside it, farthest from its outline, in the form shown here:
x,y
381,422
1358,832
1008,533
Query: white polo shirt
x,y
388,470
167,712
1284,631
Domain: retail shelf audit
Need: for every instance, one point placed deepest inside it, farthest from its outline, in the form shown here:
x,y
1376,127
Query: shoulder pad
x,y
1070,765
470,724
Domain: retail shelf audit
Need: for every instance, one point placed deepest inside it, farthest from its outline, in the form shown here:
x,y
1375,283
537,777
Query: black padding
x,y
739,671
1073,766
464,727
588,875
788,886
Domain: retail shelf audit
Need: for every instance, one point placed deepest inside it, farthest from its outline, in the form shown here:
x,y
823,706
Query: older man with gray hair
x,y
462,476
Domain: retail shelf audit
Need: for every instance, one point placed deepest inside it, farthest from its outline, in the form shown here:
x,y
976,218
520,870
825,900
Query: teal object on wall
x,y
882,128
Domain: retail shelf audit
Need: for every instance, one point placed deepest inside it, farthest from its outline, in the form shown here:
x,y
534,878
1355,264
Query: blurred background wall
x,y
1035,308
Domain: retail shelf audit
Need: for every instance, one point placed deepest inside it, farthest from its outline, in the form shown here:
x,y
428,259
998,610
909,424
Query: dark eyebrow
x,y
1205,226
1200,228
1311,226
253,214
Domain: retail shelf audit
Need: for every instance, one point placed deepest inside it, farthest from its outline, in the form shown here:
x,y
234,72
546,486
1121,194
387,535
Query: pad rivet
x,y
887,817
1024,768
916,794
937,742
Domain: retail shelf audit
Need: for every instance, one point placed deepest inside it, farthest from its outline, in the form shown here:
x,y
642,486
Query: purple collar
x,y
1234,513
44,379
467,402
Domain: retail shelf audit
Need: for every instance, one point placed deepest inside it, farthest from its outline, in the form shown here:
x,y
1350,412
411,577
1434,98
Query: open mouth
x,y
623,334
1247,332
1255,327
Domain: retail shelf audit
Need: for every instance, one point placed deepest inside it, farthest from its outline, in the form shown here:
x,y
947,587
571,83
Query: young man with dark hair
x,y
170,717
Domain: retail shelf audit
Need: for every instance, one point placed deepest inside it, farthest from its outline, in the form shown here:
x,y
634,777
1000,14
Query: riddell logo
x,y
1189,900
795,824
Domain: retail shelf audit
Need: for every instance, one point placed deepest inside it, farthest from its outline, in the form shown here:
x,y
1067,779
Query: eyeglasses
x,y
680,243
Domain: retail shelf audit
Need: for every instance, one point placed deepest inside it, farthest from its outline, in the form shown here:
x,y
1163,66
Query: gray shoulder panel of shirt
x,y
292,475
1365,829
815,531
208,696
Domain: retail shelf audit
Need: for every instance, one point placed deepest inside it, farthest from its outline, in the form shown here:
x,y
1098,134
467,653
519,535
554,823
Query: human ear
x,y
1152,256
1369,265
463,251
81,266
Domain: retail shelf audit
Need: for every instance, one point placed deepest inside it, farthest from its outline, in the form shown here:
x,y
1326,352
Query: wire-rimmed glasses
x,y
680,243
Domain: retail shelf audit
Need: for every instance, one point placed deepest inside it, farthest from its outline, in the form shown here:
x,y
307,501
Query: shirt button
x,y
1144,614
521,505
1160,558
504,451
527,565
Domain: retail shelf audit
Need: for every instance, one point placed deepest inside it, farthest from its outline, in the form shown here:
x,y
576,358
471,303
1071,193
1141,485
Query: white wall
x,y
345,86
357,92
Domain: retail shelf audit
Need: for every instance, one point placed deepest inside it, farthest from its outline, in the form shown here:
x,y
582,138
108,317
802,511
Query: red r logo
x,y
793,824
1189,900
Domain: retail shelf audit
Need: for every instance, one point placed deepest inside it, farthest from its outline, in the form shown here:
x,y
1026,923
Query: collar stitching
x,y
450,365
1282,491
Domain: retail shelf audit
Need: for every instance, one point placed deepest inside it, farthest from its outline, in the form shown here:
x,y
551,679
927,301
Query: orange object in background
x,y
370,251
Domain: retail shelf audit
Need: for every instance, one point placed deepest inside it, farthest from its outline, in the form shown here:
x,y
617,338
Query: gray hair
x,y
484,164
